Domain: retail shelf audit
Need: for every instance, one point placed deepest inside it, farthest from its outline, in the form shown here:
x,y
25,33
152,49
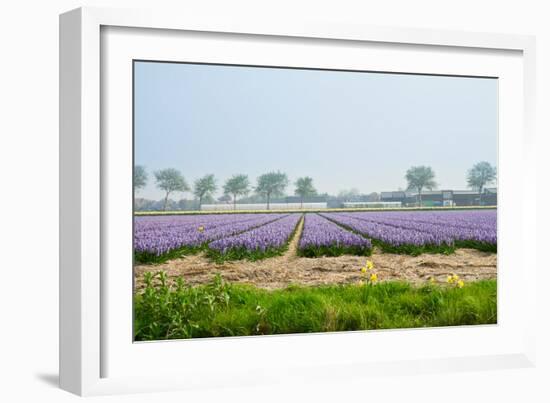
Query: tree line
x,y
273,184
270,184
423,177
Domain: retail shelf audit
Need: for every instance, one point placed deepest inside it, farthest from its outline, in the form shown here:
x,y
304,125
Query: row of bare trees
x,y
271,184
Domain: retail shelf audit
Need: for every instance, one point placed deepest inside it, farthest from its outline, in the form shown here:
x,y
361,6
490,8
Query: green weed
x,y
179,310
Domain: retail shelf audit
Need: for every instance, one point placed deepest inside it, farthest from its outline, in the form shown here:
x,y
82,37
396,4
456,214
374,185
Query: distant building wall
x,y
262,206
443,197
309,199
379,204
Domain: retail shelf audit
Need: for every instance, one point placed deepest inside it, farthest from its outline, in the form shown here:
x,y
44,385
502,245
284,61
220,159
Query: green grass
x,y
414,250
482,246
244,253
334,250
445,249
153,258
174,311
212,254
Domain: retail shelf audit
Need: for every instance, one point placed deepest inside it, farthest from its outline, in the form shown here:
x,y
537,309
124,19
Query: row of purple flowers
x,y
447,227
160,235
272,237
321,237
417,233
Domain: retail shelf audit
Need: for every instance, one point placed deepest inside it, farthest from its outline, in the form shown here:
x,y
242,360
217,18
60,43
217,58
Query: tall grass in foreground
x,y
164,311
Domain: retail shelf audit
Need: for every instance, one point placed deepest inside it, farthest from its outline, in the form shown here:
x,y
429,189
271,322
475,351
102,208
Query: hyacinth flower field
x,y
258,236
269,273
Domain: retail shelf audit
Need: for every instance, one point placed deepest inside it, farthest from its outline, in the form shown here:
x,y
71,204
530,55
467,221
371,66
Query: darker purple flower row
x,y
159,235
274,235
320,232
420,228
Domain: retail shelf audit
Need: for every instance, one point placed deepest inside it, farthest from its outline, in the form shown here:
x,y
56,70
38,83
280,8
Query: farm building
x,y
263,206
309,199
443,197
377,204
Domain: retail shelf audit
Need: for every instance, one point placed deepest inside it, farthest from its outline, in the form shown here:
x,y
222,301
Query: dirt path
x,y
289,268
291,253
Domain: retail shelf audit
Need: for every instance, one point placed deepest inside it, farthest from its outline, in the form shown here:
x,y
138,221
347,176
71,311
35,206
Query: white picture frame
x,y
93,347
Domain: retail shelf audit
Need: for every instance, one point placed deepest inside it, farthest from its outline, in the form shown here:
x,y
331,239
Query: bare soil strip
x,y
292,252
281,271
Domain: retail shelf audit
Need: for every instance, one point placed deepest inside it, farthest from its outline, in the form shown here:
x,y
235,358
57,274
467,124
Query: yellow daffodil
x,y
363,270
460,284
455,277
370,265
373,278
450,279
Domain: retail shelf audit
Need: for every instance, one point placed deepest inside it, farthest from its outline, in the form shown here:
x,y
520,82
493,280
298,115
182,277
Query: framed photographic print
x,y
301,197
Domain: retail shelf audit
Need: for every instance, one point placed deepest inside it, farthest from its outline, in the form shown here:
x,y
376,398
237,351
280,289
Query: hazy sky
x,y
344,129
